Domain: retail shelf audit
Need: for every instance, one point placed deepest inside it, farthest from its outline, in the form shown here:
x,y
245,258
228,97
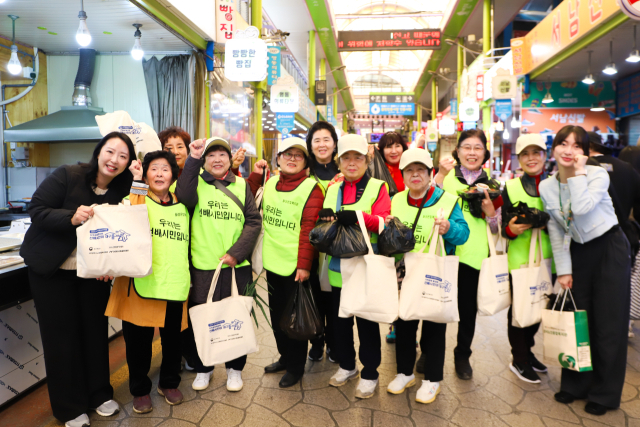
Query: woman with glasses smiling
x,y
291,204
470,154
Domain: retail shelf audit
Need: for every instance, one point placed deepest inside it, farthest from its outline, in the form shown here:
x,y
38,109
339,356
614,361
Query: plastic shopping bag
x,y
351,241
565,337
396,238
223,330
378,169
475,195
301,318
369,285
116,241
323,235
493,287
530,286
430,286
526,215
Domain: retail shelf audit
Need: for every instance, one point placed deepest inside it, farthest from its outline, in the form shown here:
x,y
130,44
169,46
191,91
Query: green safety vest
x,y
401,209
216,224
324,184
170,239
518,251
282,218
369,197
172,189
476,249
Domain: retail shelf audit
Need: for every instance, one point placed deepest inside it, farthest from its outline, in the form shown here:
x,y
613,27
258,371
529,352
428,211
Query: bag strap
x,y
364,230
415,223
492,243
532,247
439,241
220,186
214,283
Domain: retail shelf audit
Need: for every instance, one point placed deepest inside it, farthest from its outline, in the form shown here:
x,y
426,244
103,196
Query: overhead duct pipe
x,y
82,84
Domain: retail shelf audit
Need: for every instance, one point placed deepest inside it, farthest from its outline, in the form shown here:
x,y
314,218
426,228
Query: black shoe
x,y
463,369
330,356
316,352
564,397
275,367
537,365
525,372
421,362
289,380
595,408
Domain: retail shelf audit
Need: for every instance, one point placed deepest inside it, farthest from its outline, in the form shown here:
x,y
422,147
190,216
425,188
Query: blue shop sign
x,y
397,108
285,122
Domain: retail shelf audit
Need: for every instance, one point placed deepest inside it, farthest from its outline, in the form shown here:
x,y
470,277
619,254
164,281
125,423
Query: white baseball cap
x,y
352,142
530,139
293,142
416,155
212,142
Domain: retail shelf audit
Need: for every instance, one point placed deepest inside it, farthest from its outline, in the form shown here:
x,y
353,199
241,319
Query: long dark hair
x,y
122,182
472,133
319,125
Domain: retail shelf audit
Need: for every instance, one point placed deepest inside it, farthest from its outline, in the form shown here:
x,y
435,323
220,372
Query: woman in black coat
x,y
71,309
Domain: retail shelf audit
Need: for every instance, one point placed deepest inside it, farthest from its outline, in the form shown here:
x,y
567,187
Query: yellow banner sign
x,y
566,24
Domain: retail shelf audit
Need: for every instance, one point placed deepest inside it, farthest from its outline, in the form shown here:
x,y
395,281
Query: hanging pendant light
x,y
634,56
83,37
588,79
548,98
505,134
14,66
137,51
610,69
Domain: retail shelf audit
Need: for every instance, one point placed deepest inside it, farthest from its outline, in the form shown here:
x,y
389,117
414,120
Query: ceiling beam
x,y
390,15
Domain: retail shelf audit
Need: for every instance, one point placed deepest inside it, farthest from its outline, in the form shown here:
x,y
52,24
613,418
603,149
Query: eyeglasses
x,y
469,148
289,156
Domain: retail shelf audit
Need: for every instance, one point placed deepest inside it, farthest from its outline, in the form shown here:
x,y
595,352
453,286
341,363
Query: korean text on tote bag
x,y
493,287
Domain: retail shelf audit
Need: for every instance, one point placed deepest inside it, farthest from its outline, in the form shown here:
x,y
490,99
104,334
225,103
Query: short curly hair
x,y
391,138
472,133
175,132
161,154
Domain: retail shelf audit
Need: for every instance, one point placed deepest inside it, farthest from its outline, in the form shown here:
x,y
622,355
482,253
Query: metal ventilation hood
x,y
71,124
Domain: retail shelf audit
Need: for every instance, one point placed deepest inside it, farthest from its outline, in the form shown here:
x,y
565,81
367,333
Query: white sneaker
x,y
81,421
400,383
234,380
341,377
366,388
428,392
108,408
202,381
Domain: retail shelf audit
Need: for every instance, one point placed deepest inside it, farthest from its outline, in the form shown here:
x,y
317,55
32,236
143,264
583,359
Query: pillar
x,y
312,66
335,102
434,98
345,122
418,116
487,35
460,70
256,21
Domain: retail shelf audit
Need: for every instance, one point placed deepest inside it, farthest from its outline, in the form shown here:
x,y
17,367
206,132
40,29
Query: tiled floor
x,y
493,398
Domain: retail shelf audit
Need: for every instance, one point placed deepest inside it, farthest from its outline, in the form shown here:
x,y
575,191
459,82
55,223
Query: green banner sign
x,y
570,95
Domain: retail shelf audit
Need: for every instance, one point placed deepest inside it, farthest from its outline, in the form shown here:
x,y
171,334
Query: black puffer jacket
x,y
52,238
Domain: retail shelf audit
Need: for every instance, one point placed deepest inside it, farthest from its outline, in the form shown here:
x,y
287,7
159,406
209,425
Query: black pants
x,y
432,343
601,285
325,305
293,353
369,353
139,340
468,307
73,328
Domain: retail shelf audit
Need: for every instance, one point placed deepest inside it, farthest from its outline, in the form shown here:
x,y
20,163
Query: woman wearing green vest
x,y
416,166
358,192
225,225
531,150
471,153
322,144
157,300
291,204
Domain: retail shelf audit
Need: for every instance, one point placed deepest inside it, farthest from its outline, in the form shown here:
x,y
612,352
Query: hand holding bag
x,y
430,286
530,284
565,337
256,256
223,330
493,287
116,241
369,284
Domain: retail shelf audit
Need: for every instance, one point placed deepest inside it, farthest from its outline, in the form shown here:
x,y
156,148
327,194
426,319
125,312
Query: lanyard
x,y
567,220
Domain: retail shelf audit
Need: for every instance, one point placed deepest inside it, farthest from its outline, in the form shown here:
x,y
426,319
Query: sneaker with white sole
x,y
202,381
234,380
525,372
80,421
366,388
400,383
108,408
341,377
428,392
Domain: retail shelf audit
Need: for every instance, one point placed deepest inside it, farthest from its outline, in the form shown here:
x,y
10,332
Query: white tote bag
x,y
325,285
530,284
493,287
430,286
369,284
256,256
223,330
142,135
116,241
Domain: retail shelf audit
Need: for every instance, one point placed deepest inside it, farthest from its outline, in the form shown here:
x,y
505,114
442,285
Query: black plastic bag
x,y
301,318
323,235
568,303
474,196
379,170
526,215
396,238
349,242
